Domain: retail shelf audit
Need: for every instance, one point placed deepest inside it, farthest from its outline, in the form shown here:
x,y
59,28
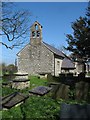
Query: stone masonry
x,y
35,60
38,57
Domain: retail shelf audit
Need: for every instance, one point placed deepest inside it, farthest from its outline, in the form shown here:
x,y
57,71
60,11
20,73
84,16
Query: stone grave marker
x,y
60,91
13,99
82,89
41,90
74,111
20,81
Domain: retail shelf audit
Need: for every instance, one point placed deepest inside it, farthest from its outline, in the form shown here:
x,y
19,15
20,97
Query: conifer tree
x,y
79,41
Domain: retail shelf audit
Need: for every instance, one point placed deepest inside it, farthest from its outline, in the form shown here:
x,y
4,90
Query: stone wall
x,y
35,60
23,59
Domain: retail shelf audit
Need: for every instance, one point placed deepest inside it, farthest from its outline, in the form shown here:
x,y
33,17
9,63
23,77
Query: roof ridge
x,y
54,50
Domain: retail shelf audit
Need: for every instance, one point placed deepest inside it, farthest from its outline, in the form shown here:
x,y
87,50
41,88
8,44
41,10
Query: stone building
x,y
80,67
38,57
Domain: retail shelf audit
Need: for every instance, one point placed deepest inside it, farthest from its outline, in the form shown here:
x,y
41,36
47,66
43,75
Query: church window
x,y
33,34
36,27
38,33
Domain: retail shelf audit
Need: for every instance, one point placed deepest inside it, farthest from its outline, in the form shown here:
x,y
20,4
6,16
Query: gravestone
x,y
21,81
13,99
82,89
41,90
74,111
60,91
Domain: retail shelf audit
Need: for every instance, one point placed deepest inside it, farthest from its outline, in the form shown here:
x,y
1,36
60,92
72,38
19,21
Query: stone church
x,y
40,58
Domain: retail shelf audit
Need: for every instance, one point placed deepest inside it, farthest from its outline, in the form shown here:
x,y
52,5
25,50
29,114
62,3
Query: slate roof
x,y
13,99
54,50
67,64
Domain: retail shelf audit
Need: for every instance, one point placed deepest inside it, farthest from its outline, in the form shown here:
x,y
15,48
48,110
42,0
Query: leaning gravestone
x,y
82,89
75,111
60,91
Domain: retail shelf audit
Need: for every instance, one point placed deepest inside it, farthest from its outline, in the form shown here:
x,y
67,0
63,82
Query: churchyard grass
x,y
36,106
36,81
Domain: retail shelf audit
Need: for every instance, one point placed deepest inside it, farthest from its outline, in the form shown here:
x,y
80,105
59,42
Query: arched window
x,y
33,33
38,34
36,27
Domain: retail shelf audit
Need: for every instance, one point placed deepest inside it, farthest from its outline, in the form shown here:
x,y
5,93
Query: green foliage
x,y
41,107
37,81
7,69
36,107
79,42
12,113
34,82
11,69
7,91
3,68
0,115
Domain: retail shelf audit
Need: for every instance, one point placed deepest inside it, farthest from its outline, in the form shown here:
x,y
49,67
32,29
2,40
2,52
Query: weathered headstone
x,y
73,111
82,89
60,91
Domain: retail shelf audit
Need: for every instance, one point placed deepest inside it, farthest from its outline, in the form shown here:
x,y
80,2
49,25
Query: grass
x,y
35,81
7,91
0,115
41,107
35,106
12,113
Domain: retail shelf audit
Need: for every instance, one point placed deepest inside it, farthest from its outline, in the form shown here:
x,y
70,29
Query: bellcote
x,y
36,34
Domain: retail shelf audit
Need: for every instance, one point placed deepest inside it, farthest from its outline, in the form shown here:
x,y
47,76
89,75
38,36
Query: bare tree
x,y
14,26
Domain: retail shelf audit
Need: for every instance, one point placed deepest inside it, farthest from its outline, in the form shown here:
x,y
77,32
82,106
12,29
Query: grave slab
x,y
75,111
41,90
13,99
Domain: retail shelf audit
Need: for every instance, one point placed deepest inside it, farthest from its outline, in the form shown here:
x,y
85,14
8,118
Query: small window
x,y
33,34
36,27
38,33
